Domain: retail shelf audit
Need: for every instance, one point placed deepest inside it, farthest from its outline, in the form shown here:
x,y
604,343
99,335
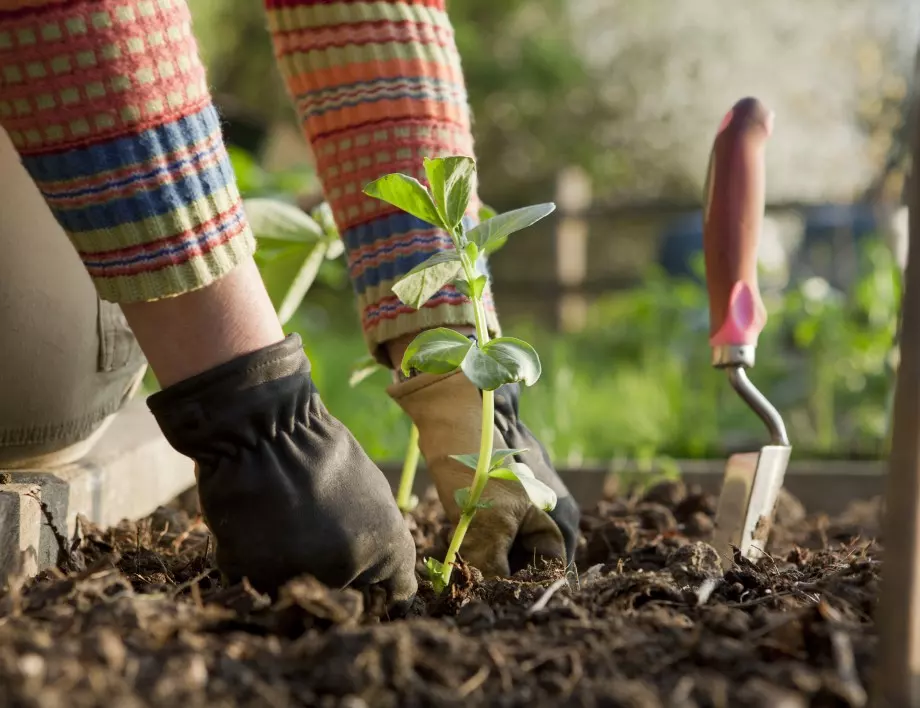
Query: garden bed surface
x,y
136,616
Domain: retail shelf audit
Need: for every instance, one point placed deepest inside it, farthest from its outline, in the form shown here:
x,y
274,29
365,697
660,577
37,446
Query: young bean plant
x,y
487,363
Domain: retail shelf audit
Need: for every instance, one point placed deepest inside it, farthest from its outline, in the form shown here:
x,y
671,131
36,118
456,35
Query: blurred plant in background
x,y
629,92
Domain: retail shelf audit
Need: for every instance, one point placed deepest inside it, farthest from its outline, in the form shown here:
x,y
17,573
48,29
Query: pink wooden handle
x,y
732,222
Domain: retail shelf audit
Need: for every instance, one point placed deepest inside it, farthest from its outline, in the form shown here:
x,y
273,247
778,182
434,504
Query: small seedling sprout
x,y
487,363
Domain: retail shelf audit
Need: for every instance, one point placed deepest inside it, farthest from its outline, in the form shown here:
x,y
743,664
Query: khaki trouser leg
x,y
68,361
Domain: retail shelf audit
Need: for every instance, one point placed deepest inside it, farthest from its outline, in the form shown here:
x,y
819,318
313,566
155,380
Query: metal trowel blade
x,y
749,490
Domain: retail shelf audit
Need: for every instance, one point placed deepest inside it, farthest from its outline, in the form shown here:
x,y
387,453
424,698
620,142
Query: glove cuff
x,y
244,393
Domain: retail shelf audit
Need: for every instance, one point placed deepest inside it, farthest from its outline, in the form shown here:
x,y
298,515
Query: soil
x,y
137,616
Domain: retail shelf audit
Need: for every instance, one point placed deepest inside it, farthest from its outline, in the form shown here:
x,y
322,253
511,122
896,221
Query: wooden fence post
x,y
897,676
573,197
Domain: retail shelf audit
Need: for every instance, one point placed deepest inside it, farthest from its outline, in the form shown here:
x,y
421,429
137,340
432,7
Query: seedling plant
x,y
487,363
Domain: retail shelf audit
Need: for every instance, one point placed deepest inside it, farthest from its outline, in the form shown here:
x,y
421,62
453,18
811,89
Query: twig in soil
x,y
844,659
502,667
546,596
474,682
194,581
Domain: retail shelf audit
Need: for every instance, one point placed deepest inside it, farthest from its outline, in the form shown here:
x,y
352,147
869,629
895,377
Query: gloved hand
x,y
284,487
447,410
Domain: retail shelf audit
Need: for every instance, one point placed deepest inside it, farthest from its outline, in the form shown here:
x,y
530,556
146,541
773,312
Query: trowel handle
x,y
732,222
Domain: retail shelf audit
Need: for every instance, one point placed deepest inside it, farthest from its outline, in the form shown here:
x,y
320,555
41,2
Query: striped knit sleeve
x,y
106,102
377,87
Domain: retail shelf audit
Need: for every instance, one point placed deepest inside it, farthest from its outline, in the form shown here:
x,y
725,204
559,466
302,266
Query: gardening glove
x,y
513,533
284,487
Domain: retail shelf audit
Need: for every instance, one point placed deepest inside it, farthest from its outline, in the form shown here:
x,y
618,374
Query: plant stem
x,y
410,465
481,476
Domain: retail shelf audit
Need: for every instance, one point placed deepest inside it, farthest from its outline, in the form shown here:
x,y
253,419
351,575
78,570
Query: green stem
x,y
481,476
410,465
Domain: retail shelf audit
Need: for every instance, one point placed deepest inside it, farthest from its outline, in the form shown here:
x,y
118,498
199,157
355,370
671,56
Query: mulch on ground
x,y
137,616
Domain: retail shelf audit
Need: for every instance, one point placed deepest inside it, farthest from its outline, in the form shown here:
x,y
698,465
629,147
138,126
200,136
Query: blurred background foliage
x,y
628,93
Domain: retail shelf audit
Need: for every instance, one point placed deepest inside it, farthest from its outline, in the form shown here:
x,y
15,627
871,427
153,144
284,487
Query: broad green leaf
x,y
490,235
435,569
452,180
502,361
486,212
463,287
499,456
406,193
472,251
280,221
302,283
362,369
485,503
517,357
462,498
417,286
539,494
470,461
436,351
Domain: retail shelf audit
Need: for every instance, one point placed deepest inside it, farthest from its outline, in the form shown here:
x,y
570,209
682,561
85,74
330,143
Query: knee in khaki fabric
x,y
68,360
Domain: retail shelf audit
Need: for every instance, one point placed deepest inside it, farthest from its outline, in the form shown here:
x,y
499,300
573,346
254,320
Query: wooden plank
x,y
898,621
822,487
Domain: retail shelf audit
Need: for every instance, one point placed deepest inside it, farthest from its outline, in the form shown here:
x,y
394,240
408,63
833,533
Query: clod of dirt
x,y
668,493
656,517
694,563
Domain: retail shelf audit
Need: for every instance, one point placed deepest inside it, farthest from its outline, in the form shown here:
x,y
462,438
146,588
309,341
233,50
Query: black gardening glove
x,y
566,514
284,487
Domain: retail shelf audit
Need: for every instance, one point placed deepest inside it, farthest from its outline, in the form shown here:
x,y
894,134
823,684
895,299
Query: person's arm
x,y
107,104
378,87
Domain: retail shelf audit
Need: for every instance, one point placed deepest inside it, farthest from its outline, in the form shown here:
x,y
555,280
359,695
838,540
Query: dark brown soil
x,y
139,618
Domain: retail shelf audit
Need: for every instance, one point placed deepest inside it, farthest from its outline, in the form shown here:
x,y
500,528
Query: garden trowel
x,y
733,219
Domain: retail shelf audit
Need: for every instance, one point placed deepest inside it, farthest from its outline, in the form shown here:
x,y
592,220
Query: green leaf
x,y
540,495
463,287
516,356
485,503
486,212
417,286
302,282
436,351
435,569
362,369
490,235
462,498
472,251
499,456
502,361
280,221
470,461
479,284
451,180
406,193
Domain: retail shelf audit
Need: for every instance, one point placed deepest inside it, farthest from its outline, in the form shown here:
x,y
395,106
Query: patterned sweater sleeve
x,y
377,87
106,102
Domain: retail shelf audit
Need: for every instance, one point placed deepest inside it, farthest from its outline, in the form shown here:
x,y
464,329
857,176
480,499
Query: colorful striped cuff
x,y
108,106
378,87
